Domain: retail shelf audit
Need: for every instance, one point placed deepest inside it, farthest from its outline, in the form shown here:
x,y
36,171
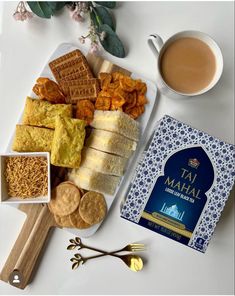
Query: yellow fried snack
x,y
103,103
121,92
68,142
32,139
42,113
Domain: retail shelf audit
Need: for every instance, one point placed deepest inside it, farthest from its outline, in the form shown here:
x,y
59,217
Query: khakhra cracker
x,y
93,207
65,199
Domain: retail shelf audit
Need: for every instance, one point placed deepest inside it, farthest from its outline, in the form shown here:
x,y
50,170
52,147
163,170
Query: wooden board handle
x,y
24,266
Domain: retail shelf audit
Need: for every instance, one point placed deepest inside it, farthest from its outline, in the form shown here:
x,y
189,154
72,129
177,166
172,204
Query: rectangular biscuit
x,y
84,74
42,113
73,55
80,89
70,67
32,139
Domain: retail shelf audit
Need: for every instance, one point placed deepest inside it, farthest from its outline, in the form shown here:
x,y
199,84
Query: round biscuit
x,y
70,182
65,199
92,207
77,221
63,221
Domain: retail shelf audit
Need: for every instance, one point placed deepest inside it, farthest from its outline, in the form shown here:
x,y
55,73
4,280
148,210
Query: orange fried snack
x,y
121,92
48,90
85,110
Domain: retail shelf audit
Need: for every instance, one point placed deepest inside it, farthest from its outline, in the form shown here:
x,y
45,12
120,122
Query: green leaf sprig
x,y
102,26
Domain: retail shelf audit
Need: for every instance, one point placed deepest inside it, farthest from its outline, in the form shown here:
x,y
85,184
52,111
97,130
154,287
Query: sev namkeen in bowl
x,y
26,176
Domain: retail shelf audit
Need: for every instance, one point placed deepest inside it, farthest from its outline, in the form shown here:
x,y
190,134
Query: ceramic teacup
x,y
158,48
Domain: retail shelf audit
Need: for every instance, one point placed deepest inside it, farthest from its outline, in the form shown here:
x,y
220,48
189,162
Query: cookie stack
x,y
74,208
74,76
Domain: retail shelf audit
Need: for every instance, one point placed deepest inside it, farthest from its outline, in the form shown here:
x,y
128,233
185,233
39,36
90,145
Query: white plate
x,y
143,120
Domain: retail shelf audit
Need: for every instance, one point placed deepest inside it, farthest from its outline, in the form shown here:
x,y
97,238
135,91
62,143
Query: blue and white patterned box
x,y
181,183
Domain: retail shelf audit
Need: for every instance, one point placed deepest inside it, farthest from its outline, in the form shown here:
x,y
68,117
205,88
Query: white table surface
x,y
171,268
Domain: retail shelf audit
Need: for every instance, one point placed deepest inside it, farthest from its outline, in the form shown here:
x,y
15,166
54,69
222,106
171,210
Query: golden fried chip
x,y
117,103
49,90
36,89
141,100
103,103
114,85
136,111
85,110
117,76
105,93
131,101
42,80
121,92
105,79
128,84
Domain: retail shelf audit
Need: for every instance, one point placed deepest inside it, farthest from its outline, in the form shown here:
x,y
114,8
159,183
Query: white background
x,y
170,268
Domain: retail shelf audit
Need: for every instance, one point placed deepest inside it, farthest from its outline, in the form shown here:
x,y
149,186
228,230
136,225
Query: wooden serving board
x,y
29,244
25,252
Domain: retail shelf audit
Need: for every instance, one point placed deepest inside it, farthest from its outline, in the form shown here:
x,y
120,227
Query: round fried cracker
x,y
65,199
92,207
63,221
82,192
77,221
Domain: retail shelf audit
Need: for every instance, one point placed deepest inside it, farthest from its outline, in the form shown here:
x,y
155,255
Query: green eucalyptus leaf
x,y
41,9
94,19
111,42
55,6
109,4
105,16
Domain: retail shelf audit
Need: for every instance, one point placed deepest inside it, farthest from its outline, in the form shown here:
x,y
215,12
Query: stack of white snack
x,y
112,141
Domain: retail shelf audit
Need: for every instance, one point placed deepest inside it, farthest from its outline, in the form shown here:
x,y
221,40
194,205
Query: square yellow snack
x,y
32,139
42,113
68,142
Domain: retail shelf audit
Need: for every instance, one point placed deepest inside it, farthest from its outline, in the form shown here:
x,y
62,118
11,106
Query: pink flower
x,y
94,48
28,14
22,13
17,16
77,17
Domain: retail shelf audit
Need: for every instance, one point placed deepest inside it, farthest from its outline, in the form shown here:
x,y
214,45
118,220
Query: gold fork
x,y
77,243
134,262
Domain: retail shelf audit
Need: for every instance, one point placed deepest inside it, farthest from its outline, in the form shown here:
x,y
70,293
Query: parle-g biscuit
x,y
80,89
71,56
73,65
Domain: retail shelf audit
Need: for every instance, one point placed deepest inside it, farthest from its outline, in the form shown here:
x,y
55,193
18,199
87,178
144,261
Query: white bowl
x,y
5,198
